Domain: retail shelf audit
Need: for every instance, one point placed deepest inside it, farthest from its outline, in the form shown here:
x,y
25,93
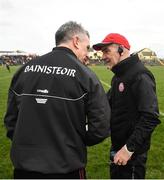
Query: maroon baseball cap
x,y
112,38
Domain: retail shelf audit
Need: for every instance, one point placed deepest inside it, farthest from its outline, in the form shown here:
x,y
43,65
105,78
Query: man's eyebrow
x,y
104,49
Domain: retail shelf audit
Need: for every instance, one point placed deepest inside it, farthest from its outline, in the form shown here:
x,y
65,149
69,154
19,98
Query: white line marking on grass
x,y
107,85
161,113
6,77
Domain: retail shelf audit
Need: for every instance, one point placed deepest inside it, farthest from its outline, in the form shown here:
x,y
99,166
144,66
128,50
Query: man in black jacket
x,y
51,99
134,108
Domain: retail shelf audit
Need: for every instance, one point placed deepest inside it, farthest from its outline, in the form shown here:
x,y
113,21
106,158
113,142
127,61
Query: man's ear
x,y
76,41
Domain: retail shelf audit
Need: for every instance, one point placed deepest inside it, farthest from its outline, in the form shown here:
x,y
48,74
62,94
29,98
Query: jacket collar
x,y
62,48
123,66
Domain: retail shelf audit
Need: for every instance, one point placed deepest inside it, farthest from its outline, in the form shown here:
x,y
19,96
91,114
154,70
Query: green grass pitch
x,y
98,155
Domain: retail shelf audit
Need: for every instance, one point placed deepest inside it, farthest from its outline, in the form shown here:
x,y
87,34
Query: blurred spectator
x,y
7,67
16,60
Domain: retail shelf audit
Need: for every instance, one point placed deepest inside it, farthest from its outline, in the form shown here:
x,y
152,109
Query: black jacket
x,y
134,105
50,101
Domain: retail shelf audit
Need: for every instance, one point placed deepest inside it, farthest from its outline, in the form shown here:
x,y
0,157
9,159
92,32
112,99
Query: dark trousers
x,y
135,168
23,174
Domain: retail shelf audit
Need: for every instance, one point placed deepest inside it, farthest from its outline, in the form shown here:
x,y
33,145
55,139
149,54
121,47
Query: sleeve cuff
x,y
129,152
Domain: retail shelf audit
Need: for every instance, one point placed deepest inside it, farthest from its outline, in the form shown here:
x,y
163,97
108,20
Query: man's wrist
x,y
129,152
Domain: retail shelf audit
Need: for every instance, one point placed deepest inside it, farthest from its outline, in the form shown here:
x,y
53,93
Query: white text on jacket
x,y
50,70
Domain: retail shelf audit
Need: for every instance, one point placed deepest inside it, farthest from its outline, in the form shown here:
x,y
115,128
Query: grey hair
x,y
67,31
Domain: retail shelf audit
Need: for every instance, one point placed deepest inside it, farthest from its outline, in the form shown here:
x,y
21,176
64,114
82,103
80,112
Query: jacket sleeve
x,y
11,114
144,92
98,115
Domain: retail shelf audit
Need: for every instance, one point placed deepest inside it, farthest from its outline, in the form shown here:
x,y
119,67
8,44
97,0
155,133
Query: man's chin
x,y
109,67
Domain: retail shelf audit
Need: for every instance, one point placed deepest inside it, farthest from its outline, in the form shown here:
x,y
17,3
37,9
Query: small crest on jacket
x,y
41,100
121,87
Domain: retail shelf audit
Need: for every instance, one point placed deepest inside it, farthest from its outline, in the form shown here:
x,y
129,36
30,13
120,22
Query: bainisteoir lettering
x,y
50,70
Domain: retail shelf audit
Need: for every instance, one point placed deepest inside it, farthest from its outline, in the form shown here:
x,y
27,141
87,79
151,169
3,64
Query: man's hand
x,y
122,156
